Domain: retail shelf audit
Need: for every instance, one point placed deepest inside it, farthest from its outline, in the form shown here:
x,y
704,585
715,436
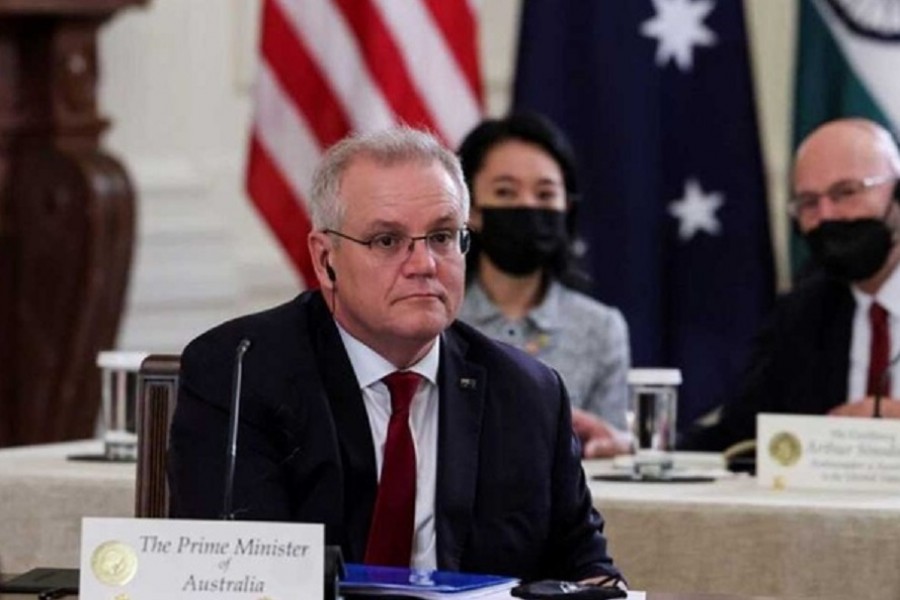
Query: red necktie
x,y
391,533
879,381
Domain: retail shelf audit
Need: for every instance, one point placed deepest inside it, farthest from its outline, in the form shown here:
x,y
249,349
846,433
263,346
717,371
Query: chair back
x,y
157,394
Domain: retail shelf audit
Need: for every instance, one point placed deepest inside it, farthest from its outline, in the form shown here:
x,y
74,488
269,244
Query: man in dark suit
x,y
830,345
496,481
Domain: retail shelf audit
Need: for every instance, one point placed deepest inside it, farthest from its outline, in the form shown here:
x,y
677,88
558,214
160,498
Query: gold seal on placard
x,y
114,563
785,448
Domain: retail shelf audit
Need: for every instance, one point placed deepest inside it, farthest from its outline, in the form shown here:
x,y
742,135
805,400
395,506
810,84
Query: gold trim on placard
x,y
785,448
114,563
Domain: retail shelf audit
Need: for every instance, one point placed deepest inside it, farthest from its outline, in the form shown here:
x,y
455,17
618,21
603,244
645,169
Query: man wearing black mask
x,y
522,284
832,344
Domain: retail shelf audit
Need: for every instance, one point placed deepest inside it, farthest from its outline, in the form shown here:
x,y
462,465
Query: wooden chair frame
x,y
157,395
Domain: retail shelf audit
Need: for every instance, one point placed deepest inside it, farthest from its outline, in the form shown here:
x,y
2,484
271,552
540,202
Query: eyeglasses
x,y
805,204
442,243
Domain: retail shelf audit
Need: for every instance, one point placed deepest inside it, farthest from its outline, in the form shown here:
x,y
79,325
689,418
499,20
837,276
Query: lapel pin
x,y
467,383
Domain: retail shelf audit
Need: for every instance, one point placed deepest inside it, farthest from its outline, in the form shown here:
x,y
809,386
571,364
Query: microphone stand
x,y
231,457
334,561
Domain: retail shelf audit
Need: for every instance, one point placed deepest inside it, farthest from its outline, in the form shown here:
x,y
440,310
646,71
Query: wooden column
x,y
66,220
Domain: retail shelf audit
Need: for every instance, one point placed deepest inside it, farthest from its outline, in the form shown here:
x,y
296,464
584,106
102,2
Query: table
x,y
729,537
649,596
43,497
631,596
734,537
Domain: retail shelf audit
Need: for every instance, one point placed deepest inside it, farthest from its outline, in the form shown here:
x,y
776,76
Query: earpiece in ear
x,y
896,194
330,272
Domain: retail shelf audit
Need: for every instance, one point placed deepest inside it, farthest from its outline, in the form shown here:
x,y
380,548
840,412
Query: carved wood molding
x,y
66,220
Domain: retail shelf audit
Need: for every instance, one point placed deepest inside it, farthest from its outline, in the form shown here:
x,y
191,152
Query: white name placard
x,y
821,452
181,559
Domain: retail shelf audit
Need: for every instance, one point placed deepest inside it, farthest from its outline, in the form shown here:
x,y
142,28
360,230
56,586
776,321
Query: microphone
x,y
334,561
231,456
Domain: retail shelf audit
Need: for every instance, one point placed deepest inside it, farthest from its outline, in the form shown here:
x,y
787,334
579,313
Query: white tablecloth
x,y
732,536
725,537
43,497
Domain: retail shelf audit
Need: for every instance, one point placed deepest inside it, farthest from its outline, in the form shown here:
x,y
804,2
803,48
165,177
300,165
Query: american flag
x,y
329,67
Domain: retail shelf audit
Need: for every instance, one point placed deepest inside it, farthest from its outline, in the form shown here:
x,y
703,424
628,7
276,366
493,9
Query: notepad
x,y
365,580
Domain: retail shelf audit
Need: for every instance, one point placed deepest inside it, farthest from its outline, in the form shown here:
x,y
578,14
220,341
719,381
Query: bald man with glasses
x,y
832,344
416,440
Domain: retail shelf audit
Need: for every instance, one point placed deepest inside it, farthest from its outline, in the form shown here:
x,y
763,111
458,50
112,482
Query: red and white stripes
x,y
333,66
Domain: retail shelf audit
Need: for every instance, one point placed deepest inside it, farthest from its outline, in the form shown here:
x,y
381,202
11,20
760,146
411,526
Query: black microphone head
x,y
243,345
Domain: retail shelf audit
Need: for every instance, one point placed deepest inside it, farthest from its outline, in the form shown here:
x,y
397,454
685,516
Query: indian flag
x,y
848,65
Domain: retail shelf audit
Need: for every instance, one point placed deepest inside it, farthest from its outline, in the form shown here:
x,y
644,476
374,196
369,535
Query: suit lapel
x,y
354,434
838,333
461,406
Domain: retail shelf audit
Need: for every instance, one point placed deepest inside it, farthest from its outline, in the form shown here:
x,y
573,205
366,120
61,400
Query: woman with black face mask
x,y
523,287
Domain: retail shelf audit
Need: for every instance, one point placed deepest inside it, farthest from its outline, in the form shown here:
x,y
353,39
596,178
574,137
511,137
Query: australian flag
x,y
657,99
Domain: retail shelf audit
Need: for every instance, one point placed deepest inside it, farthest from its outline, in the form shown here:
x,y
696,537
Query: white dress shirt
x,y
887,296
370,368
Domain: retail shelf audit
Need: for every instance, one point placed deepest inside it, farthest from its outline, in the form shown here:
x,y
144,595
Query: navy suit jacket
x,y
800,363
511,497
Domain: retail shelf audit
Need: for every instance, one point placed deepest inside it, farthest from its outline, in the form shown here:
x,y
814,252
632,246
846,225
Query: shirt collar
x,y
370,367
545,316
480,307
888,295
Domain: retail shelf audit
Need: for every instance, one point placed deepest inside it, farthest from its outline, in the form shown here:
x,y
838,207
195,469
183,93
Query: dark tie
x,y
391,533
879,381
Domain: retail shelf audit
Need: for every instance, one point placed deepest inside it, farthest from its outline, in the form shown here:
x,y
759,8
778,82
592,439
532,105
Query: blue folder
x,y
419,583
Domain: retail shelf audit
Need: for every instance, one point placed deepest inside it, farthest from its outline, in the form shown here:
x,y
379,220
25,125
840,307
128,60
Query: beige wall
x,y
176,83
772,28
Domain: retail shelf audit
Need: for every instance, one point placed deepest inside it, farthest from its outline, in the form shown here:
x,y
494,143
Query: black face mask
x,y
851,250
522,240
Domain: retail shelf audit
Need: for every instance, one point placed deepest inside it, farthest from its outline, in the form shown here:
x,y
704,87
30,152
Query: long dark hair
x,y
534,129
